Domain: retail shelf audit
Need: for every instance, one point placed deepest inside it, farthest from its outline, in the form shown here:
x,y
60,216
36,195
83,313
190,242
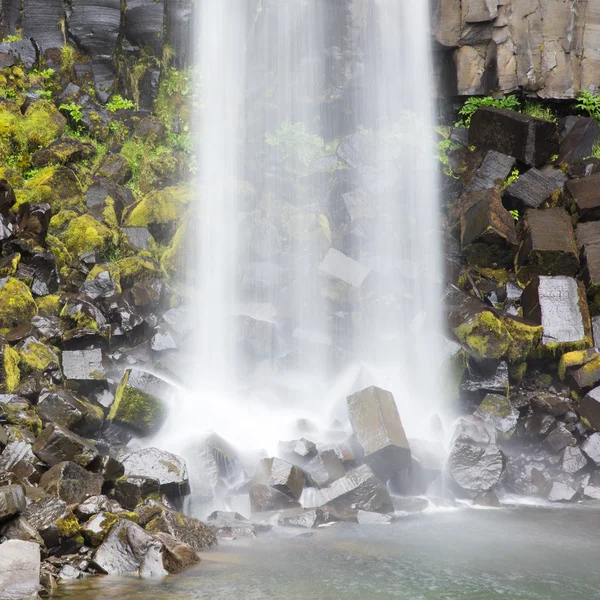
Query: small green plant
x,y
443,147
12,38
589,103
68,56
515,214
511,178
539,111
296,144
117,102
472,104
74,111
596,150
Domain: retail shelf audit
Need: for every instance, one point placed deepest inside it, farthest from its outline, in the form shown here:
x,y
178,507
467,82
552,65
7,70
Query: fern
x,y
472,104
588,102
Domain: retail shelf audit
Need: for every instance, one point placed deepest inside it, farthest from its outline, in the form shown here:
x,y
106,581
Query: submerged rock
x,y
475,468
378,429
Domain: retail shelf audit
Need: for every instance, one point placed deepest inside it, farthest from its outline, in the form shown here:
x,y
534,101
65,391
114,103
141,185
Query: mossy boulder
x,y
525,338
20,413
113,271
576,358
63,256
137,269
10,374
160,211
42,123
58,186
62,151
84,234
139,402
174,256
49,305
36,356
484,335
17,305
9,264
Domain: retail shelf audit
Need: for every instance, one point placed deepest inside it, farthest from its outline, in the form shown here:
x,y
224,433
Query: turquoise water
x,y
524,553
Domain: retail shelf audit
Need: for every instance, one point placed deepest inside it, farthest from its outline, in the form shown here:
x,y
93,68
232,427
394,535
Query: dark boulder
x,y
531,141
589,408
185,529
530,190
591,270
19,51
41,20
62,151
169,469
559,305
587,233
7,197
490,377
176,555
130,490
83,365
53,520
498,411
488,235
102,286
33,221
280,475
475,468
376,423
12,502
97,504
71,483
591,447
359,489
64,408
138,238
559,438
547,245
20,572
578,143
573,460
108,467
493,171
20,528
583,195
56,444
95,26
18,458
144,24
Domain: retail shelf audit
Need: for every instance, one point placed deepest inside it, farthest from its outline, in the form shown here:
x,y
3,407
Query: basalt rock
x,y
584,198
20,528
578,143
488,234
378,429
20,572
138,238
298,451
310,518
64,408
587,233
56,444
18,458
475,468
530,190
591,447
359,489
12,502
62,151
71,483
560,437
325,468
130,490
573,460
589,408
547,245
558,491
53,520
169,469
591,271
559,305
34,220
83,365
493,171
531,141
266,498
281,476
498,411
185,529
97,504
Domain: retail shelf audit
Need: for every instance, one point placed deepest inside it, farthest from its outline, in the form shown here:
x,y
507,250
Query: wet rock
x,y
591,448
56,444
325,468
573,460
578,143
474,429
265,498
138,238
138,402
64,408
185,529
583,195
97,504
591,271
95,27
169,469
588,233
342,267
475,468
102,286
310,518
162,341
559,305
364,517
12,502
589,408
280,475
498,411
409,505
585,168
493,171
37,14
550,404
53,520
481,379
548,245
540,424
19,528
530,190
359,489
144,24
20,572
18,458
258,338
130,490
177,555
531,141
83,365
376,423
488,235
232,525
487,499
106,201
560,437
298,451
62,151
33,221
96,528
560,492
71,483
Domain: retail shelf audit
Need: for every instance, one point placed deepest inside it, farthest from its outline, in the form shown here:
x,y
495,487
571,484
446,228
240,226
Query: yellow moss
x,y
68,526
12,373
48,305
109,216
84,234
42,123
575,358
60,221
136,269
11,267
16,303
78,320
500,276
173,256
485,336
162,207
113,271
37,356
517,372
525,339
56,185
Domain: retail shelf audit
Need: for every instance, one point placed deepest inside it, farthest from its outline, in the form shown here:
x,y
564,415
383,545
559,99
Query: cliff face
x,y
546,47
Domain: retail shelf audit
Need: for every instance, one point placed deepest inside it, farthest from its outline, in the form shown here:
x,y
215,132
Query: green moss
x,y
136,409
162,209
575,358
517,371
485,336
59,222
37,356
48,305
78,320
12,373
524,340
24,417
135,269
42,123
113,271
84,234
16,303
173,257
11,267
68,526
109,216
63,256
59,186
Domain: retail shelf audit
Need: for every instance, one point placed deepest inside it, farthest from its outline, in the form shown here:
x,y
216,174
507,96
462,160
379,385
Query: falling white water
x,y
285,85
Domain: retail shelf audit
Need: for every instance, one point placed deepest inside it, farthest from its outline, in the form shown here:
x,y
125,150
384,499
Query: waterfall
x,y
314,259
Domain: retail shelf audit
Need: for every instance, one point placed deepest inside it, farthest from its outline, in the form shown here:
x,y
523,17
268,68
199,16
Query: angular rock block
x,y
297,451
12,502
280,475
169,469
56,444
265,498
71,483
83,365
185,529
499,412
547,245
64,408
587,233
589,408
559,438
531,141
340,266
591,270
130,490
475,468
488,234
479,11
559,305
325,468
95,25
573,460
144,24
558,491
139,238
358,489
530,190
309,518
584,197
591,447
19,570
53,520
581,369
139,402
493,171
378,429
578,143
